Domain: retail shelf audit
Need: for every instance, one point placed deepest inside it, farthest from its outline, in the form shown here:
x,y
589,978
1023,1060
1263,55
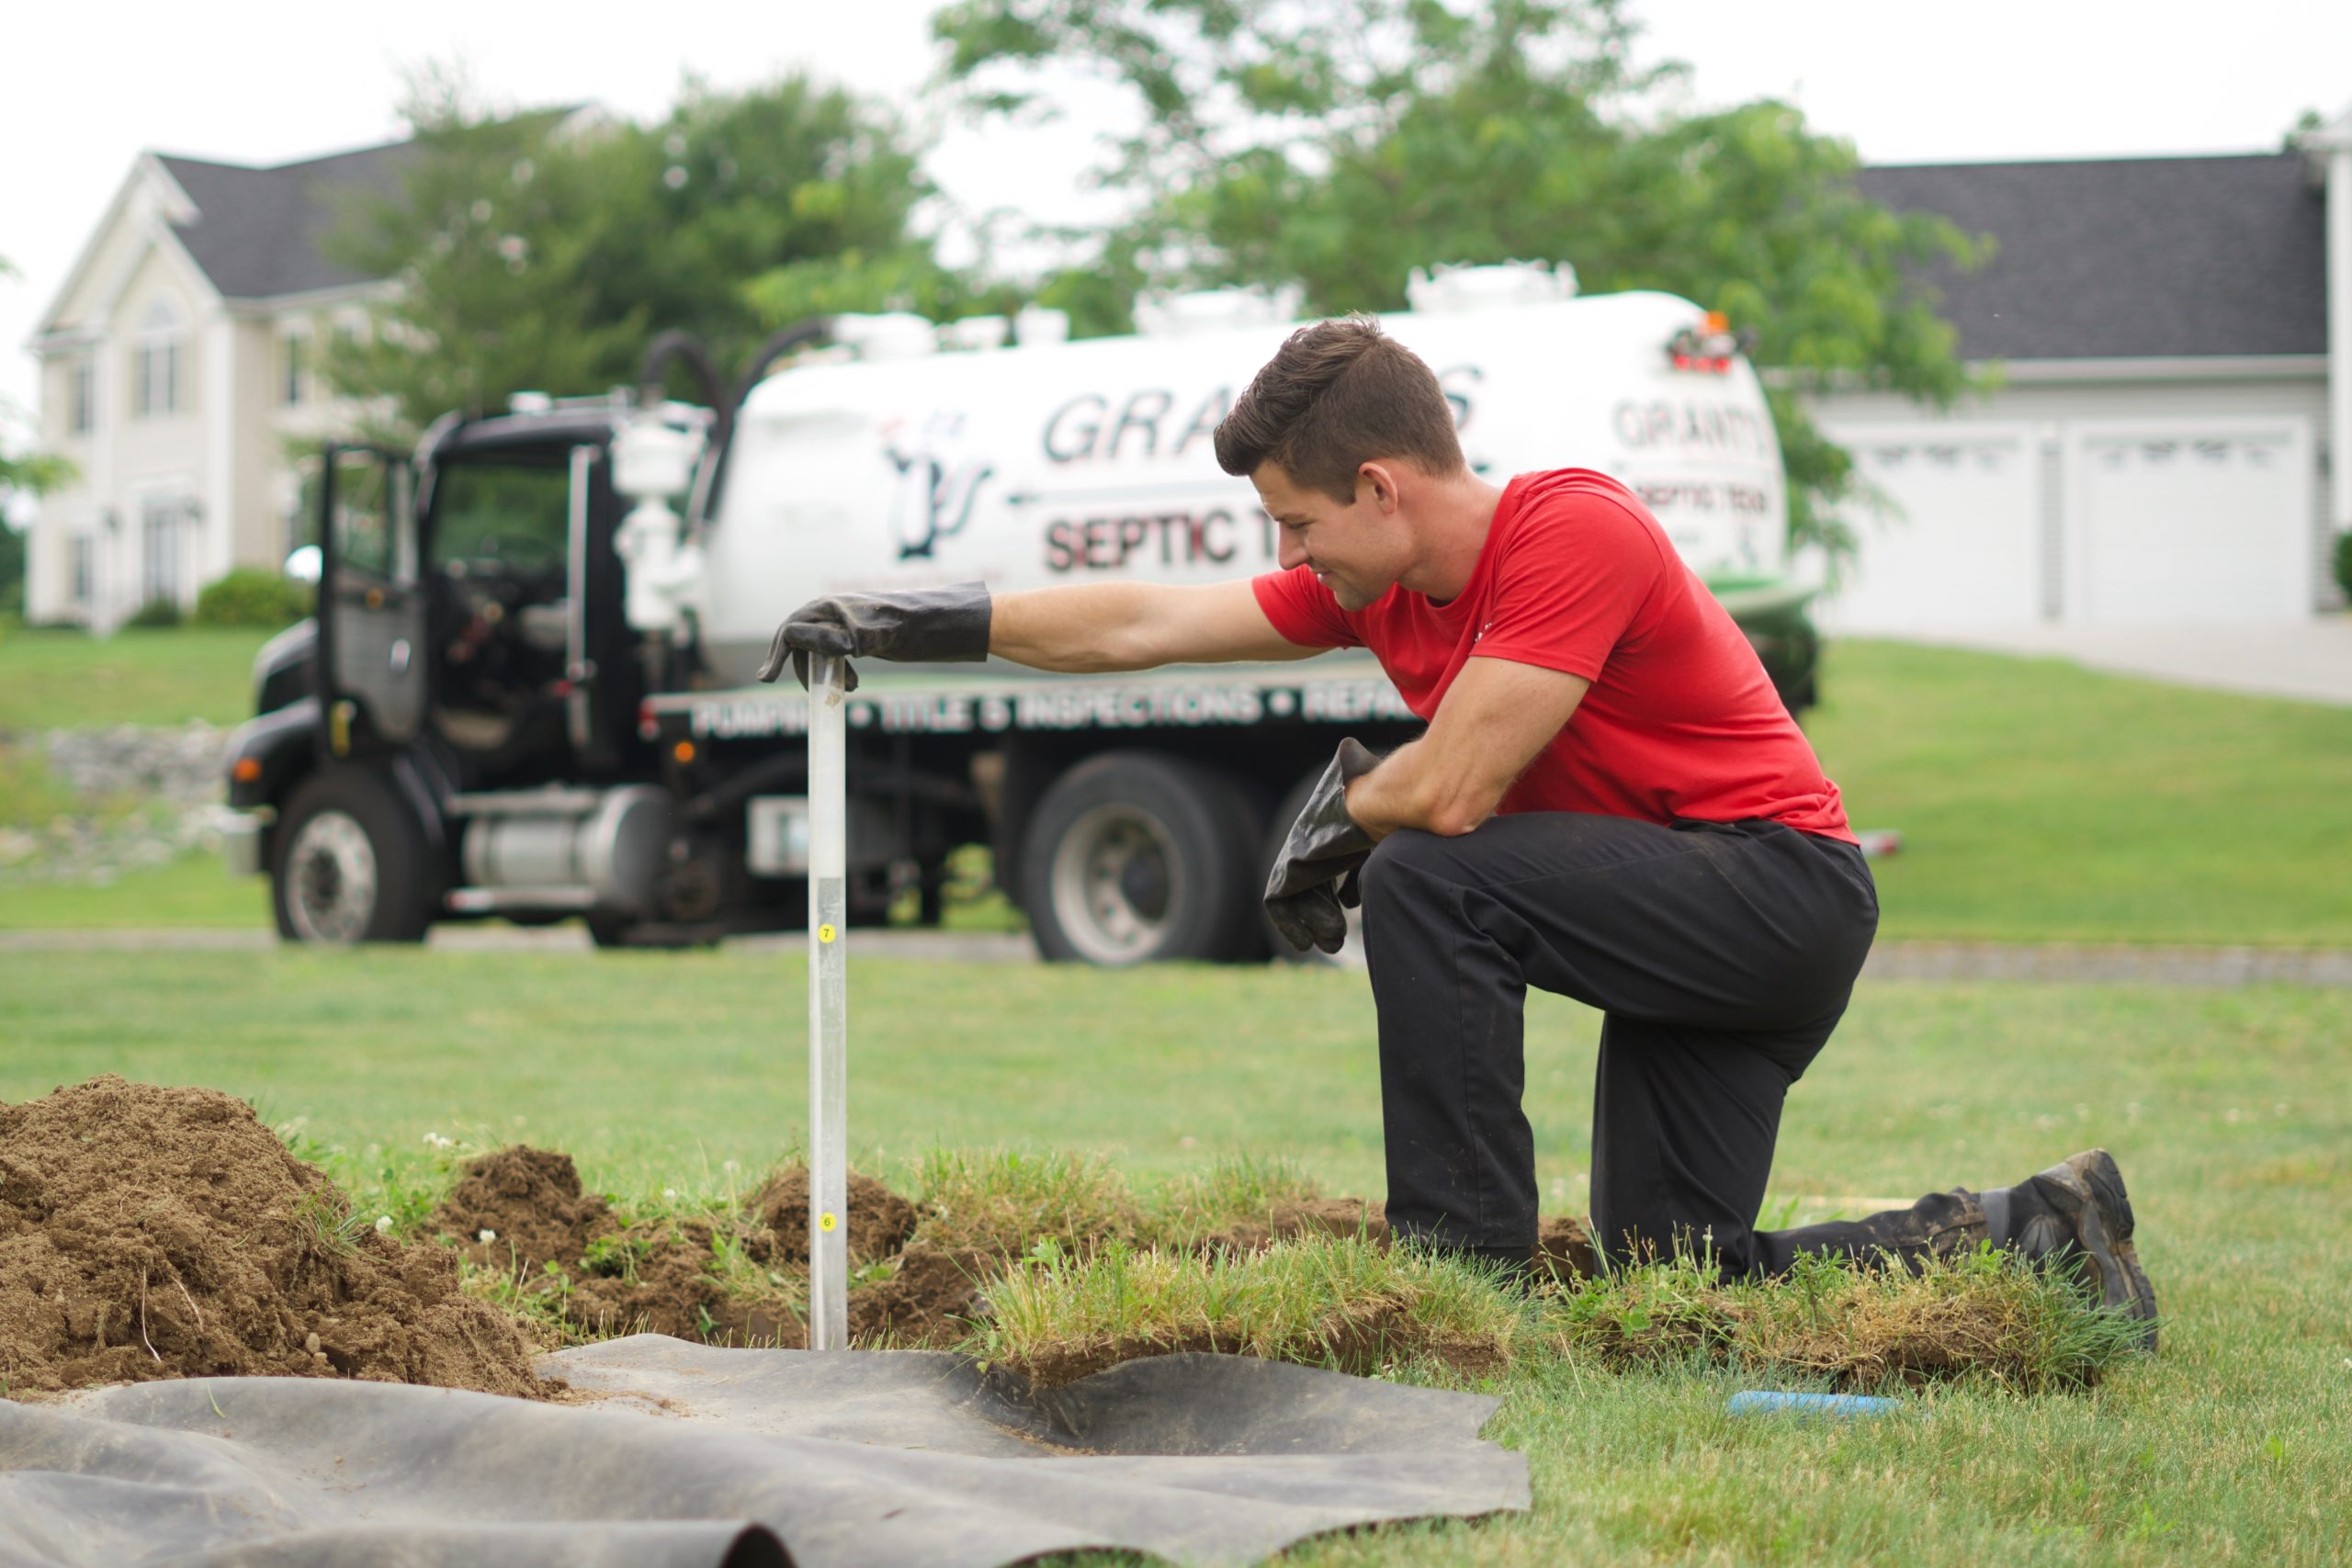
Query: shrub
x,y
155,612
252,596
2343,563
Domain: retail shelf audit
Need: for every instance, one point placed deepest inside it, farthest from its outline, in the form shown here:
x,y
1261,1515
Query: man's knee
x,y
1402,865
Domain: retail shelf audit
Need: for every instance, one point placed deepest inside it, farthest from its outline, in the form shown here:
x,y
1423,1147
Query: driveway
x,y
2309,660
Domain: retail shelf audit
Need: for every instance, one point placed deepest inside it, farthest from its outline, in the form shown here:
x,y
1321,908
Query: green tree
x,y
1340,147
12,567
535,252
37,472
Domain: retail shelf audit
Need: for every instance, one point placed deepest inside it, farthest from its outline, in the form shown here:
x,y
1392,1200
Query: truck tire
x,y
1137,857
1277,831
350,863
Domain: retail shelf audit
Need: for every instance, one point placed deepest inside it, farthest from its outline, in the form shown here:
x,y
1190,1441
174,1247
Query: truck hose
x,y
674,345
783,340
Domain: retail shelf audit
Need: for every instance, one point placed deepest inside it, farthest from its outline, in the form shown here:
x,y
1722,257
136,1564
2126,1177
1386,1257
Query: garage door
x,y
1963,551
2203,522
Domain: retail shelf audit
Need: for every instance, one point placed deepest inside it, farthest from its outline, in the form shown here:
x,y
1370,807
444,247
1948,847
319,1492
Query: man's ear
x,y
1381,479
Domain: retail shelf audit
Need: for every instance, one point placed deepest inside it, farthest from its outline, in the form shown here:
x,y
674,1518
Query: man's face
x,y
1357,548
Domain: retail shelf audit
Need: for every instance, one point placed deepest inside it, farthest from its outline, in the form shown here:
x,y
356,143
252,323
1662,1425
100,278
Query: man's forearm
x,y
1403,792
1080,627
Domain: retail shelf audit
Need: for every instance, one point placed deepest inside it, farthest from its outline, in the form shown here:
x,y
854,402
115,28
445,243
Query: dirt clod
x,y
879,1219
1563,1246
656,1278
152,1233
732,1277
930,1300
530,1202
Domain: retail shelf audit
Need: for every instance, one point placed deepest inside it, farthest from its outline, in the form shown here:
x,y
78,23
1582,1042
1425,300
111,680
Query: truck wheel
x,y
351,864
1276,833
1134,857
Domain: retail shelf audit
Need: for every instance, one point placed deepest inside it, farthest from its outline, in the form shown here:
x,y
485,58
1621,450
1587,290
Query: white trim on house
x,y
217,535
2204,367
2027,372
2335,142
146,168
313,300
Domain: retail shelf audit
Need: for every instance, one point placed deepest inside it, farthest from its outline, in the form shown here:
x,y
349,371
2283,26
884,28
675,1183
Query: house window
x,y
83,415
294,366
155,362
160,523
80,567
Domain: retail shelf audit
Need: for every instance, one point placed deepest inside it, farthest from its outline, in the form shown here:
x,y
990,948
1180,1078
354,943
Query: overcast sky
x,y
85,89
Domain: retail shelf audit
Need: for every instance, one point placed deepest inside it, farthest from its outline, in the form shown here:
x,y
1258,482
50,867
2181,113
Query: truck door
x,y
371,604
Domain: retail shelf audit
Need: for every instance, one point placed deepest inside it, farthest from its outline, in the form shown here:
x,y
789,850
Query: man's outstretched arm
x,y
1497,716
1081,627
1090,626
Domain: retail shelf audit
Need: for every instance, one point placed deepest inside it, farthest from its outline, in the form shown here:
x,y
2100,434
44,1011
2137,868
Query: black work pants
x,y
1722,956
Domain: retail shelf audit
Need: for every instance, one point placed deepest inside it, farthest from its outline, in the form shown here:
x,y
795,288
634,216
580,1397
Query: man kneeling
x,y
1610,803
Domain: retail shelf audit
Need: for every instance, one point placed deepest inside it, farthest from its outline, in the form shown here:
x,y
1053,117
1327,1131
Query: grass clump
x,y
1318,1300
1233,1193
1976,1315
328,1223
1006,1200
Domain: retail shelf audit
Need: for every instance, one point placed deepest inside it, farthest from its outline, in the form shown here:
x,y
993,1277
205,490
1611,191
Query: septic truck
x,y
526,690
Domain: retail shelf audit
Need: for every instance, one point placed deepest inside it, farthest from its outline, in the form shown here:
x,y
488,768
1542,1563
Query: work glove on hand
x,y
1314,879
929,625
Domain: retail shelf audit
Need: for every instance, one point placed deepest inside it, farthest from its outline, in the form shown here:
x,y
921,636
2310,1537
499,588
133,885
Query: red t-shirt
x,y
1575,575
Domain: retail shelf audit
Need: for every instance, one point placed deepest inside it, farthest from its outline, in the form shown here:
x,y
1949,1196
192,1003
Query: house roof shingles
x,y
258,233
2129,258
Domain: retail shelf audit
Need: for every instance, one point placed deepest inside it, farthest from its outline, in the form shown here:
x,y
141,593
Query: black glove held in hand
x,y
929,626
1315,875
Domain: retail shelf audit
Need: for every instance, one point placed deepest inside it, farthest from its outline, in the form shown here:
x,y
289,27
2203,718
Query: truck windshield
x,y
500,515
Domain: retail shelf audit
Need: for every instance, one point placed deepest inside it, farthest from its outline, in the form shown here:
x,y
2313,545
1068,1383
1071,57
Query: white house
x,y
2175,339
177,361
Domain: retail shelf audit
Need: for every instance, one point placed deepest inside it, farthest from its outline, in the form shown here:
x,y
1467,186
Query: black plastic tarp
x,y
687,1456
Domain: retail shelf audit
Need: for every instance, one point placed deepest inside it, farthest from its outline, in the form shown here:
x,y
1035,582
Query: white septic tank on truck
x,y
527,690
1072,462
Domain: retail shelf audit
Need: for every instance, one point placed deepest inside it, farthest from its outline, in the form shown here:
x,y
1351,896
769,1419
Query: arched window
x,y
157,353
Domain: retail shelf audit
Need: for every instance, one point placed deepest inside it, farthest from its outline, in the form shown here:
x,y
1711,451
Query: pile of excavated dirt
x,y
931,1299
880,1222
522,1208
661,1276
155,1233
657,1278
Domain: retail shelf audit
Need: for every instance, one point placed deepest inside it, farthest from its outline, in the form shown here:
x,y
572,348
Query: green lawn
x,y
2037,801
2230,1112
194,890
60,680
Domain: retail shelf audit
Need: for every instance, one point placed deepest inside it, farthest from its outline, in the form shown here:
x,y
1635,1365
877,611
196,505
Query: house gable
x,y
137,225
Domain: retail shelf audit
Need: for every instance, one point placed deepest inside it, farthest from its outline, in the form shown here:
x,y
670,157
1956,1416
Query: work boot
x,y
2078,1211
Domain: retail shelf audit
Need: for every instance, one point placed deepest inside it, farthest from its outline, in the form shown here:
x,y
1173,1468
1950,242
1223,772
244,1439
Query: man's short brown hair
x,y
1336,395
